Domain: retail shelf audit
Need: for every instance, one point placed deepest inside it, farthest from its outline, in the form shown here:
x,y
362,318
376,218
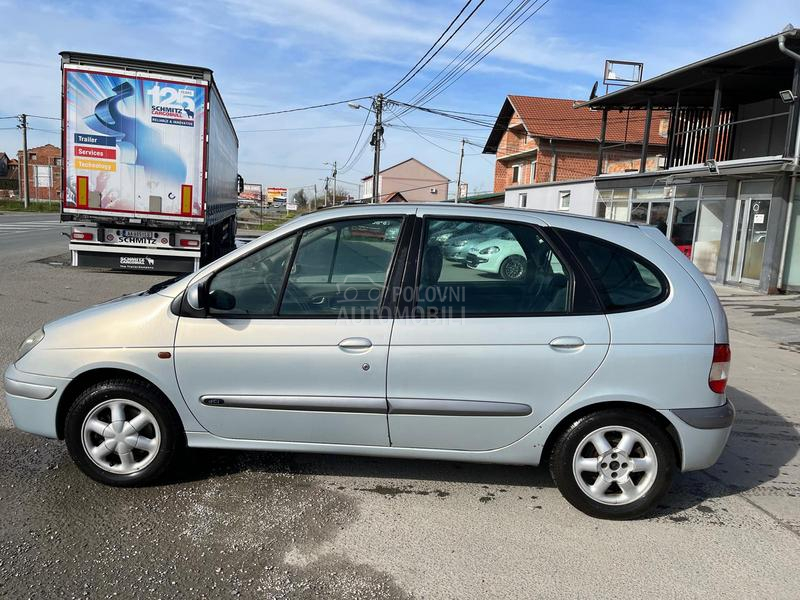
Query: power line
x,y
413,71
346,165
431,82
453,80
291,110
296,128
419,134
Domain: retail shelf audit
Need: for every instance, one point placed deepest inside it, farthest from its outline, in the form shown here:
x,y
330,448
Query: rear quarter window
x,y
623,280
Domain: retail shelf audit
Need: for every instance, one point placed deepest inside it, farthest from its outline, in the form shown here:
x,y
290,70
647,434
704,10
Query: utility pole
x,y
334,183
458,181
326,191
23,119
377,136
315,197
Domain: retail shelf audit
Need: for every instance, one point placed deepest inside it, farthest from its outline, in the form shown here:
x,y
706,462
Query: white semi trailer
x,y
150,164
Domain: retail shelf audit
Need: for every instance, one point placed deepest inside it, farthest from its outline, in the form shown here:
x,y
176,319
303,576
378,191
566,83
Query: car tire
x,y
122,432
513,268
633,471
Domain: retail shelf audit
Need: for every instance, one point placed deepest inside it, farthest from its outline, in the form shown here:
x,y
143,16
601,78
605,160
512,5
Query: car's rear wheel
x,y
613,464
513,268
121,432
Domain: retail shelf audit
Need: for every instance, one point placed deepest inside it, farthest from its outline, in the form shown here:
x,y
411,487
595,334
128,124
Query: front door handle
x,y
355,344
567,343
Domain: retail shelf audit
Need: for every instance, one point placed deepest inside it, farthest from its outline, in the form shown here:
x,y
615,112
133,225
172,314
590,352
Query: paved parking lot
x,y
250,525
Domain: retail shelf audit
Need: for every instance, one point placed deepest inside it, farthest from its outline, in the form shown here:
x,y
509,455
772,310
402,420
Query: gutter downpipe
x,y
795,164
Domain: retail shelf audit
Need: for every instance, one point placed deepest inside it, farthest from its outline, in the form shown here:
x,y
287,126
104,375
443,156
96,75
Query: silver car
x,y
607,361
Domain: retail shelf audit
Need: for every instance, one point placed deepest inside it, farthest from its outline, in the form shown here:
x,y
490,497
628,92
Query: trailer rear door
x,y
134,144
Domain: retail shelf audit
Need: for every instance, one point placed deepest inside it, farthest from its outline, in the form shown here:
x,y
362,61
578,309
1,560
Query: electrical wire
x,y
453,80
402,81
291,110
346,166
412,72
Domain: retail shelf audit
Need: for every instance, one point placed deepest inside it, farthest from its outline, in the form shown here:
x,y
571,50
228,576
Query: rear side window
x,y
623,280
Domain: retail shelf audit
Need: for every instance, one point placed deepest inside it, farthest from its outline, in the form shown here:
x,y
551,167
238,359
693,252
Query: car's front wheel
x,y
513,268
613,464
121,432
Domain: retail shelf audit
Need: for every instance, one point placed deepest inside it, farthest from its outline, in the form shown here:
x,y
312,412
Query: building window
x,y
533,171
42,176
523,200
515,173
31,155
57,161
564,199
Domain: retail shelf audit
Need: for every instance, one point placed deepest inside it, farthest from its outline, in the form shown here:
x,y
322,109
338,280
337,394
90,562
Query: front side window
x,y
340,269
251,286
623,280
495,269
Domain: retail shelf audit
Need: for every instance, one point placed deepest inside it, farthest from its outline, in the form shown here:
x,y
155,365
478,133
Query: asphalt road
x,y
268,525
31,233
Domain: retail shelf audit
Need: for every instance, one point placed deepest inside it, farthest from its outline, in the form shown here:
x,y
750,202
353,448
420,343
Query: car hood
x,y
136,320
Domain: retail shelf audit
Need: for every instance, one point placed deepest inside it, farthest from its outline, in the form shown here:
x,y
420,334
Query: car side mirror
x,y
197,297
221,300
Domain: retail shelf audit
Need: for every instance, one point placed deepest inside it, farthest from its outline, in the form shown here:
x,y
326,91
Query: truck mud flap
x,y
136,262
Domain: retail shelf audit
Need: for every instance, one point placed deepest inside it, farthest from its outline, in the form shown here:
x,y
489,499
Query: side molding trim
x,y
457,408
309,403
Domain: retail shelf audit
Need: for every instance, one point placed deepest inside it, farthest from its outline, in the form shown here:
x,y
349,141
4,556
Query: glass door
x,y
750,232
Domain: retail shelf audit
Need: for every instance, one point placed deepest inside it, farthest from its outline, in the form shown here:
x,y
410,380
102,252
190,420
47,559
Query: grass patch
x,y
40,207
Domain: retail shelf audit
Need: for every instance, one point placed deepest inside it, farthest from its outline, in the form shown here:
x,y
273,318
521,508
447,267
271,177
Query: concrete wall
x,y
547,196
414,180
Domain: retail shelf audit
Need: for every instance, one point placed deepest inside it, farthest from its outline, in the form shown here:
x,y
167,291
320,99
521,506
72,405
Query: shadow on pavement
x,y
761,443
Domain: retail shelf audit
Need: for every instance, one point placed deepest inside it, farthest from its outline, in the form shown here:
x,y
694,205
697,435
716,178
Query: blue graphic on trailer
x,y
155,124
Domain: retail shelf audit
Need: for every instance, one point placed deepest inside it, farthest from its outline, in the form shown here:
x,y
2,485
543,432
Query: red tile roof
x,y
556,118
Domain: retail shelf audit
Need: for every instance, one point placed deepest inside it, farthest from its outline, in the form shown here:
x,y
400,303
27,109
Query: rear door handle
x,y
567,343
355,344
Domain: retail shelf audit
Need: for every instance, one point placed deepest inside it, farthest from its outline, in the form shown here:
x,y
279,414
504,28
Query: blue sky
x,y
274,54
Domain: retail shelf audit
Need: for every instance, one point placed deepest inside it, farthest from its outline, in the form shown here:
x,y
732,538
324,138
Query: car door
x,y
487,352
294,345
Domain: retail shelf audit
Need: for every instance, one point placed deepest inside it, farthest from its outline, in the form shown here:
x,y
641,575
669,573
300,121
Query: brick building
x,y
8,177
44,173
540,140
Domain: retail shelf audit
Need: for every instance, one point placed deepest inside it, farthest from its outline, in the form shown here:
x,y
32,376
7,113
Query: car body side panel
x,y
489,361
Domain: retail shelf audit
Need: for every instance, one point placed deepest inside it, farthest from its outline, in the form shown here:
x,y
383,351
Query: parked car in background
x,y
455,249
328,335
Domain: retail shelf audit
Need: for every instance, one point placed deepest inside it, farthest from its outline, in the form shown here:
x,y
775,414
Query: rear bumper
x,y
33,400
702,433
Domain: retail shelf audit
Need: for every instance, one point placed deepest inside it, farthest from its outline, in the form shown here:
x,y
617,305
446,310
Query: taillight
x,y
81,235
720,366
190,243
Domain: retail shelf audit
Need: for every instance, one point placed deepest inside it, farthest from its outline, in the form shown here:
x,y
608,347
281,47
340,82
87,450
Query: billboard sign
x,y
276,193
134,145
252,191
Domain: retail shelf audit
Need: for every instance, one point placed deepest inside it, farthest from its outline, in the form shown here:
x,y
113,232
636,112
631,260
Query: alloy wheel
x,y
121,436
615,465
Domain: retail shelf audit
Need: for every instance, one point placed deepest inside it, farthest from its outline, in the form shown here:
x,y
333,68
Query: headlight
x,y
490,250
29,343
443,237
460,244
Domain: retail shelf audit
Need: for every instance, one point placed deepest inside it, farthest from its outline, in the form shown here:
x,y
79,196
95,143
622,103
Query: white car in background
x,y
501,256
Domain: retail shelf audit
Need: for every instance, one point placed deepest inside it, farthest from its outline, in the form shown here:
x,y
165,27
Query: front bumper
x,y
33,400
703,433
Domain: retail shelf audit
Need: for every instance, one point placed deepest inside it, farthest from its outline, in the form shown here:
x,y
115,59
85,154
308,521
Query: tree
x,y
300,199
